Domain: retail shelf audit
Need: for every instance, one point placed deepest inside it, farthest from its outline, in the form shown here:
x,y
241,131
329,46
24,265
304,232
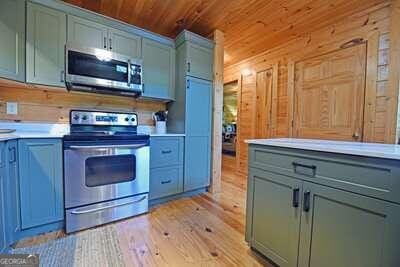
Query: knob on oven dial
x,y
76,117
127,119
84,117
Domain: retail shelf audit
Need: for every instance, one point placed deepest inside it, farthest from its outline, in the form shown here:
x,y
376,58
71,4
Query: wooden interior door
x,y
329,95
262,125
254,112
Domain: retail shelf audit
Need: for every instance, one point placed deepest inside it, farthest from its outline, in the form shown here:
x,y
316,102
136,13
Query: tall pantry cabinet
x,y
191,113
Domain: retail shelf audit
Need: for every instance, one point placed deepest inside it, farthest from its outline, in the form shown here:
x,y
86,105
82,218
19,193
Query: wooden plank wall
x,y
372,25
52,105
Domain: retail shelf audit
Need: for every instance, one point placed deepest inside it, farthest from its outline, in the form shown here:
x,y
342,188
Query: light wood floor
x,y
205,230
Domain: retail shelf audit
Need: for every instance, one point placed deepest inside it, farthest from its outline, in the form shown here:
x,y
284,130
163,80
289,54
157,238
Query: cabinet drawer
x,y
166,151
165,181
368,176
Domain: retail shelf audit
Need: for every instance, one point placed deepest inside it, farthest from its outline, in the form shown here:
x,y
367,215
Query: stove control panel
x,y
82,117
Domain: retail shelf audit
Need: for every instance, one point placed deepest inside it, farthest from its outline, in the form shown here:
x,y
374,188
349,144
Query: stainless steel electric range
x,y
106,169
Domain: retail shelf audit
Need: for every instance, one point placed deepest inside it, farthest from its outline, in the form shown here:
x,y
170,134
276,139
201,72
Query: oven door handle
x,y
106,146
84,211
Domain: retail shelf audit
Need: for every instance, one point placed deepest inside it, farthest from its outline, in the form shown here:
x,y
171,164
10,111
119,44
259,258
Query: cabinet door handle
x,y
12,154
110,40
188,67
62,76
166,182
105,42
166,151
306,201
295,199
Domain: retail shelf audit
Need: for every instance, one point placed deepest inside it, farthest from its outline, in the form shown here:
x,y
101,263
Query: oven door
x,y
97,173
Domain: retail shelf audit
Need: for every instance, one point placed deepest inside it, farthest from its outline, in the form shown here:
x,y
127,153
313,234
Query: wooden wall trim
x,y
218,98
370,87
391,134
238,121
274,100
291,97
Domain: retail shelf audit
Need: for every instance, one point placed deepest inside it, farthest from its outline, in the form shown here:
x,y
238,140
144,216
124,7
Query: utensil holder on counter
x,y
161,127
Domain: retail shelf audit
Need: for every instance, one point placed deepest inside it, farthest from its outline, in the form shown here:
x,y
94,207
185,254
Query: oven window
x,y
91,66
106,170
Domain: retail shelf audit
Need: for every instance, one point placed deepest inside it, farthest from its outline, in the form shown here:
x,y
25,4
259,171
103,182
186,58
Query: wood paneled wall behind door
x,y
370,26
52,105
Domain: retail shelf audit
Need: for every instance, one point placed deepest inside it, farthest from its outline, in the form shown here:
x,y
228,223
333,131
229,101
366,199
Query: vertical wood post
x,y
218,96
391,133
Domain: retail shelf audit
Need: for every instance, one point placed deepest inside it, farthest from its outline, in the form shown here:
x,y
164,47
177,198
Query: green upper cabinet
x,y
198,55
12,45
84,32
199,61
124,43
158,70
87,33
45,45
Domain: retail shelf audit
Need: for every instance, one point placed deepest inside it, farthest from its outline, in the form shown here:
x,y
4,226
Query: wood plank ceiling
x,y
250,26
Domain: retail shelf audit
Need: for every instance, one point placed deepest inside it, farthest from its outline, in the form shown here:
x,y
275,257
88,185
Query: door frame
x,y
369,107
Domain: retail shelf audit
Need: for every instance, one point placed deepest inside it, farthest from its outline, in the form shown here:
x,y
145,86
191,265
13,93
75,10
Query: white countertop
x,y
166,135
33,130
387,151
56,130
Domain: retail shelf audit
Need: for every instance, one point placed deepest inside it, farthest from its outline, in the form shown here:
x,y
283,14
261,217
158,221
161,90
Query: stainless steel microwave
x,y
102,71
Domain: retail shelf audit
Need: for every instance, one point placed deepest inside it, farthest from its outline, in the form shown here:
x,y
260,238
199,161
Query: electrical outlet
x,y
12,108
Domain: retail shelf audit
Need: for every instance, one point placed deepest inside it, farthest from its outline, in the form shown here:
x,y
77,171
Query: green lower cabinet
x,y
274,216
166,166
40,182
299,223
12,197
166,181
346,229
3,229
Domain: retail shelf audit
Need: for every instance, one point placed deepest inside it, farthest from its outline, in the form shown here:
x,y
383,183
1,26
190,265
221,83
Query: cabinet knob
x,y
105,42
110,40
188,67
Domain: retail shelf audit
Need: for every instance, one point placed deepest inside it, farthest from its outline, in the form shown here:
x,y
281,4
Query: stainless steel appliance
x,y
106,169
102,71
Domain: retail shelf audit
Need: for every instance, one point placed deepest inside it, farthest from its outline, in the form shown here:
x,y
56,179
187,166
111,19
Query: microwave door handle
x,y
107,146
129,73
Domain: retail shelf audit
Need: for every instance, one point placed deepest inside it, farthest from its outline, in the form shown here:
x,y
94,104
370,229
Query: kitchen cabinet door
x,y
41,181
3,208
82,32
340,228
12,45
198,134
165,181
158,70
125,43
45,45
273,216
199,61
12,193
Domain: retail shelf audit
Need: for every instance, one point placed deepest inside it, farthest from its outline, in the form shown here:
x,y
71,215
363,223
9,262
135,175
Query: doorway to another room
x,y
229,126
